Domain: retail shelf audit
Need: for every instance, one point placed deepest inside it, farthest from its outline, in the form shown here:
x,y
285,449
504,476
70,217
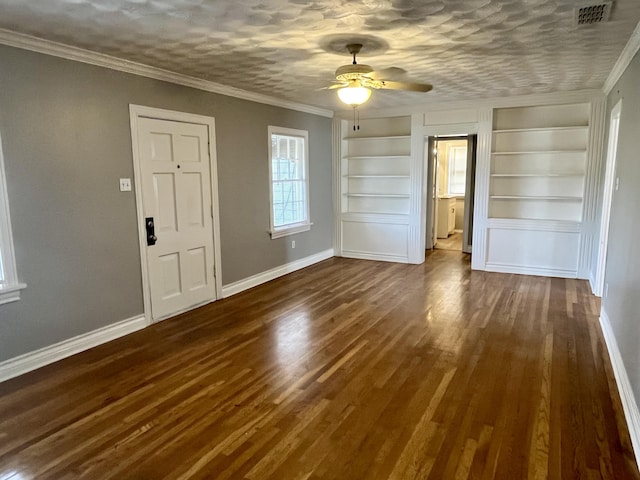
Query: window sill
x,y
11,293
290,230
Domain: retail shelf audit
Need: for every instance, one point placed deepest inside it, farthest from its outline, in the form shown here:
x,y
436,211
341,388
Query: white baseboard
x,y
264,277
375,256
629,404
30,361
524,270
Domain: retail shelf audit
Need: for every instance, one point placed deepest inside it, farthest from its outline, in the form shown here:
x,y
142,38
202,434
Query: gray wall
x,y
66,141
622,304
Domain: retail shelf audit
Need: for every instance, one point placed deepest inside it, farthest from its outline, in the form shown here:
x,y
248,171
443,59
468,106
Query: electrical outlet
x,y
125,184
293,244
606,290
617,183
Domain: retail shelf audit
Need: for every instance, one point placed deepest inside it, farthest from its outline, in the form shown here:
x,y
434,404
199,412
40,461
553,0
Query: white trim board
x,y
35,44
264,277
628,52
39,358
376,257
629,404
529,270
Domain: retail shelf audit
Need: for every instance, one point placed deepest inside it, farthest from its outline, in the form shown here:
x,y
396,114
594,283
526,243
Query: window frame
x,y
10,287
291,228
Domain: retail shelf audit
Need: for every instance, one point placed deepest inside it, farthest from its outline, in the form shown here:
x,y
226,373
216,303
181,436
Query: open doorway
x,y
451,174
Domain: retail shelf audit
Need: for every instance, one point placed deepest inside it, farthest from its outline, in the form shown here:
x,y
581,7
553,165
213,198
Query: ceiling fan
x,y
354,82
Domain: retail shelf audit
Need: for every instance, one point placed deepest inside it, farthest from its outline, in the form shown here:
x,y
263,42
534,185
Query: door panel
x,y
169,275
176,191
160,146
197,271
193,199
164,193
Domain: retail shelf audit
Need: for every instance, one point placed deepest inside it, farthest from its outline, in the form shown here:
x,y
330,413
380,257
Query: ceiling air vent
x,y
590,14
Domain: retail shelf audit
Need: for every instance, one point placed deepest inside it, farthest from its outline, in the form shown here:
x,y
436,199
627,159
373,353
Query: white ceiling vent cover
x,y
594,13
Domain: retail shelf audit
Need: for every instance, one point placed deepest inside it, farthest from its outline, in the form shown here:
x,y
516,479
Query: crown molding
x,y
35,44
552,98
628,52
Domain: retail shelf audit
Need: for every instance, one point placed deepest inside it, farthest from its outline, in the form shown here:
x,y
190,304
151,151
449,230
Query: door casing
x,y
609,180
431,173
139,111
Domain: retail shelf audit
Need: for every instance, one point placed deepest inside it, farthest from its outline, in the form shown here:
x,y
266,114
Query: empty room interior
x,y
276,240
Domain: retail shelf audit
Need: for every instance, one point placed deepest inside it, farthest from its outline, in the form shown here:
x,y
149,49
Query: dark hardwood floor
x,y
348,369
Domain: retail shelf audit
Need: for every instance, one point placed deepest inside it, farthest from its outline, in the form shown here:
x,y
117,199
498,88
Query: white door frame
x,y
469,192
607,196
139,111
462,129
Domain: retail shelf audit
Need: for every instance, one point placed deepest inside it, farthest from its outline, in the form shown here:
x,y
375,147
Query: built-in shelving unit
x,y
375,167
536,188
375,193
538,162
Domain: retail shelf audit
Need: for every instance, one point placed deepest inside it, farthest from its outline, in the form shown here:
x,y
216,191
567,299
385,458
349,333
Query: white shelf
x,y
572,226
384,195
360,157
542,129
379,137
544,175
531,197
376,176
539,152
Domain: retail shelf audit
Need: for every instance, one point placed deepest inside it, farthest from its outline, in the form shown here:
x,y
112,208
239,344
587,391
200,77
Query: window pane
x,y
288,179
457,170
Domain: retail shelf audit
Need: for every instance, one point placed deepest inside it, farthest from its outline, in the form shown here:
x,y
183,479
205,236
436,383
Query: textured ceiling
x,y
284,48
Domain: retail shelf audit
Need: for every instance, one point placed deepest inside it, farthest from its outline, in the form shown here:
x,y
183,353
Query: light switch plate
x,y
125,184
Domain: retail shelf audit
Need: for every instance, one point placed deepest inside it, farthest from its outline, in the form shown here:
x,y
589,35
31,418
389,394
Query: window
x,y
288,170
9,285
457,169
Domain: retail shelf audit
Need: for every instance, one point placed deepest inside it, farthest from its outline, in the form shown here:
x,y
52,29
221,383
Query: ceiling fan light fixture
x,y
354,96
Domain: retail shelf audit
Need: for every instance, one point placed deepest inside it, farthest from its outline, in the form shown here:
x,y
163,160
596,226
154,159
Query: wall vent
x,y
594,13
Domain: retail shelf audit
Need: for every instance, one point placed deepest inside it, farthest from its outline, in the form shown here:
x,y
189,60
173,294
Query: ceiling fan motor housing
x,y
348,73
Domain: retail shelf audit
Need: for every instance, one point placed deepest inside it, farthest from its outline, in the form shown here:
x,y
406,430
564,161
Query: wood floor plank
x,y
348,369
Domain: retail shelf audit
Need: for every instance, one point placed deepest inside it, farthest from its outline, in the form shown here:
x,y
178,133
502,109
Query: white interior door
x,y
176,193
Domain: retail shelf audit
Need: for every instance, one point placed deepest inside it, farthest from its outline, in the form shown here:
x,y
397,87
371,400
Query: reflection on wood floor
x,y
349,369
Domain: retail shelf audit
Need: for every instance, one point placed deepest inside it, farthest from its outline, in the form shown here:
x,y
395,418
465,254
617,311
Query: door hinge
x,y
211,210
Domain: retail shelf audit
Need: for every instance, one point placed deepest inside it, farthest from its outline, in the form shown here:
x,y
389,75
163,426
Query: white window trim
x,y
293,228
10,290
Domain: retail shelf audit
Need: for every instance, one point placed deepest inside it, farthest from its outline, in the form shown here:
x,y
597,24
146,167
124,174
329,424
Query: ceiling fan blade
x,y
334,86
391,72
412,87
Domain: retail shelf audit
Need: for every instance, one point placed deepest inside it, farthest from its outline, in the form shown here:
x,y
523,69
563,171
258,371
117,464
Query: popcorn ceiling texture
x,y
465,48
